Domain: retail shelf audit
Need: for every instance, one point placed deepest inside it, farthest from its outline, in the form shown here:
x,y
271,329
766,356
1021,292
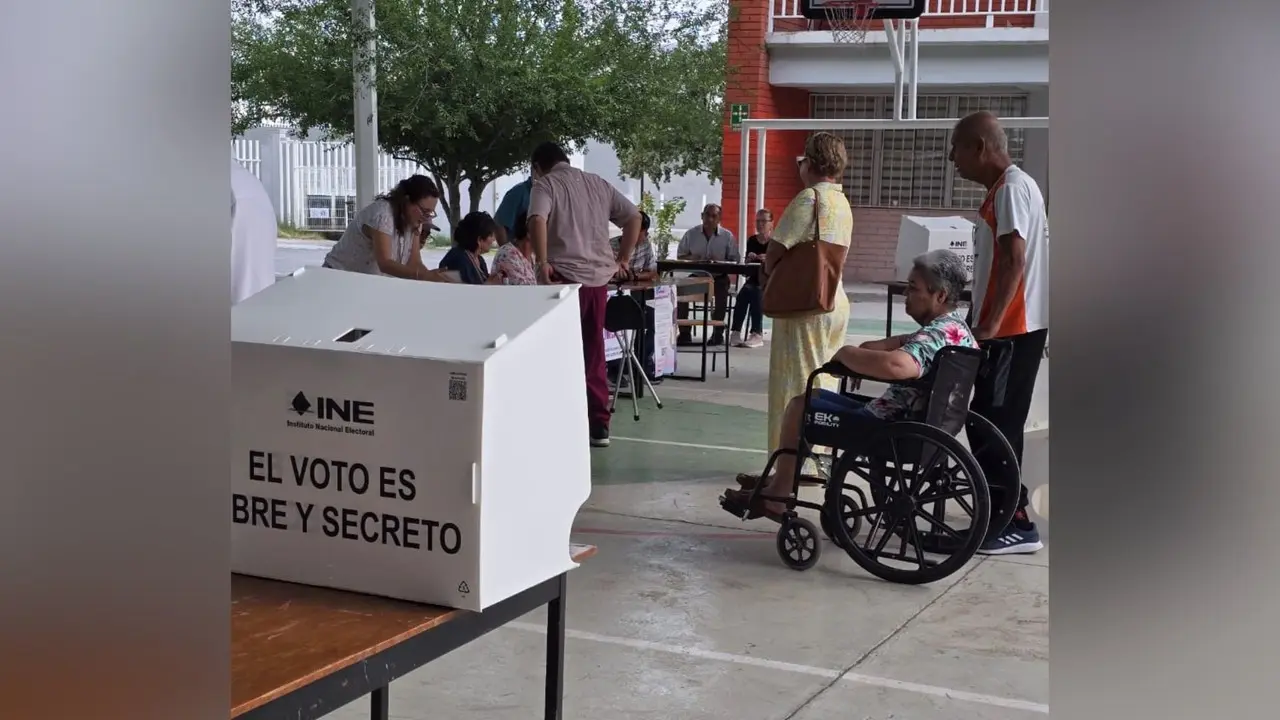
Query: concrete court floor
x,y
688,613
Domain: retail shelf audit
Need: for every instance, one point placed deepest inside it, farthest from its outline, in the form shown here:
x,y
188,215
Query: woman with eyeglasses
x,y
383,237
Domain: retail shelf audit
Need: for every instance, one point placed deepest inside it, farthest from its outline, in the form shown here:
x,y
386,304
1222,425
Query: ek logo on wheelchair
x,y
826,419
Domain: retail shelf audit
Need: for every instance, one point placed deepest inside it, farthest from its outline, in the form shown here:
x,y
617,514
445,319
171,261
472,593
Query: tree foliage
x,y
469,89
664,219
677,126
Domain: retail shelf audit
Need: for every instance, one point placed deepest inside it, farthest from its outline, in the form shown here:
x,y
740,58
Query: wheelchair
x,y
917,476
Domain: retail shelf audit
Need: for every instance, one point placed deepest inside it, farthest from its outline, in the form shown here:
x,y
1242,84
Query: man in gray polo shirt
x,y
708,242
569,215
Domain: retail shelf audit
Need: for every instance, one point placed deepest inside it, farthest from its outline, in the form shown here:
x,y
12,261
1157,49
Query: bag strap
x,y
817,211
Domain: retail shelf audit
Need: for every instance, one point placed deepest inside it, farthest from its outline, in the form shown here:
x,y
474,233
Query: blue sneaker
x,y
1019,538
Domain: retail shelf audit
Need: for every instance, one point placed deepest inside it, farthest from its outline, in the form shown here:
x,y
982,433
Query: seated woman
x,y
514,260
474,236
644,261
933,290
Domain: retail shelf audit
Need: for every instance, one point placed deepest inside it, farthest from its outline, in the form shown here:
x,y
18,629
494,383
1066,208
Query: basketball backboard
x,y
881,10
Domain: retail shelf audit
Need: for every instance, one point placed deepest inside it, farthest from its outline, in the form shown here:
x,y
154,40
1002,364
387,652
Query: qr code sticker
x,y
458,387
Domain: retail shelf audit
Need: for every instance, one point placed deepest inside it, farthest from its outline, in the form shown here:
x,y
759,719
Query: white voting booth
x,y
919,235
421,441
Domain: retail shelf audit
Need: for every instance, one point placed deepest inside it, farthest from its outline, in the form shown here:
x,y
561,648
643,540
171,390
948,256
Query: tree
x,y
680,83
467,90
664,219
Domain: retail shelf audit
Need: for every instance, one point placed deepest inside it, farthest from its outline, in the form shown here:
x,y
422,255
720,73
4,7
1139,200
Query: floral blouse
x,y
922,346
516,269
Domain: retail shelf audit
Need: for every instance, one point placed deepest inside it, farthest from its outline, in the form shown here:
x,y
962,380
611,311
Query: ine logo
x,y
331,414
301,404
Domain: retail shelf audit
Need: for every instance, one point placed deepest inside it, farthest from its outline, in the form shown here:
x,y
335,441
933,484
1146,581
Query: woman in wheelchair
x,y
933,290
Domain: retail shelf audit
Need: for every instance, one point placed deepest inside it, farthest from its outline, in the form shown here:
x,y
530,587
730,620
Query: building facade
x,y
973,55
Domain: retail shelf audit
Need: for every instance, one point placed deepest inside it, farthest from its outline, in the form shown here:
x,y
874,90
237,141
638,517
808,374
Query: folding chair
x,y
624,319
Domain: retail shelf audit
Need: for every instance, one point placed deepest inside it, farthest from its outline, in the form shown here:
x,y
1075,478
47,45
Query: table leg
x,y
706,329
380,703
555,650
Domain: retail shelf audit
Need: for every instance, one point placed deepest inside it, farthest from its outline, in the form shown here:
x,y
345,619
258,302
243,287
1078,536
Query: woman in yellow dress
x,y
801,345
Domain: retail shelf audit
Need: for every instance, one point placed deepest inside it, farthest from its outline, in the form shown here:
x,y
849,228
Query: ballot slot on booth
x,y
440,459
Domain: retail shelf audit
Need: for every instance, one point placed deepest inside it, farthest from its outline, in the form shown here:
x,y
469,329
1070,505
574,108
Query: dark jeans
x,y
591,302
721,292
749,300
1003,393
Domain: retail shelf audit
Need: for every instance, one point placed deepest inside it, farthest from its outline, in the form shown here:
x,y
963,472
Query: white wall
x,y
947,65
269,171
1036,151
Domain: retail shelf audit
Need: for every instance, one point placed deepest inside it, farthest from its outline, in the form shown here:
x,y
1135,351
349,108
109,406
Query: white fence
x,y
315,182
249,154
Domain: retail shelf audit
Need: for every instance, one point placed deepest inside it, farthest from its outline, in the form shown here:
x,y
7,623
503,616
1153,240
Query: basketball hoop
x,y
849,20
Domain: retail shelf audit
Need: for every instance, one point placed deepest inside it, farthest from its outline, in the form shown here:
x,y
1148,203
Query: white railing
x,y
249,154
313,183
987,12
318,180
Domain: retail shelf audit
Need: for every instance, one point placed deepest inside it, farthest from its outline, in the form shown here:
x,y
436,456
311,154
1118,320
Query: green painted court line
x,y
691,421
685,440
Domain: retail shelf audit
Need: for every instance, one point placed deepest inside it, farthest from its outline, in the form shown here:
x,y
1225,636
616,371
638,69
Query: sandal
x,y
739,501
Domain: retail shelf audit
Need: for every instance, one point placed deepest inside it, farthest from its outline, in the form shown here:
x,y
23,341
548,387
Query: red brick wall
x,y
748,82
875,240
875,230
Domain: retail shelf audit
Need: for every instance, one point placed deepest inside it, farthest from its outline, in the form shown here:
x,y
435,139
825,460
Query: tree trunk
x,y
476,190
454,208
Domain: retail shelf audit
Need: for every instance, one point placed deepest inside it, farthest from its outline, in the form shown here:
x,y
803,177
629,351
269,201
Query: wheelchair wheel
x,y
915,472
999,465
798,544
848,515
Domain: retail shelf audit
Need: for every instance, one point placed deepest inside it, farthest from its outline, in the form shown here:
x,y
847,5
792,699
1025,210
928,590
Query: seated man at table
x,y
933,291
644,261
708,243
751,295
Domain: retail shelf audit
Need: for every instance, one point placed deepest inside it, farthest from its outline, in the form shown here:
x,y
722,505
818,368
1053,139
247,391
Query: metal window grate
x,y
909,168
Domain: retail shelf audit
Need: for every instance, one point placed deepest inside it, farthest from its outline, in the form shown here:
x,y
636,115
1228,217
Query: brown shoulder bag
x,y
805,280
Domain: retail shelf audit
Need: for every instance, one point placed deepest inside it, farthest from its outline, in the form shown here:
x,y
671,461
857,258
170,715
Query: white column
x,y
760,170
366,108
744,173
896,34
915,66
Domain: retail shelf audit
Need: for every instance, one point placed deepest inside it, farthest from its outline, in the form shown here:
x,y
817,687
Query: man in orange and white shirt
x,y
1010,299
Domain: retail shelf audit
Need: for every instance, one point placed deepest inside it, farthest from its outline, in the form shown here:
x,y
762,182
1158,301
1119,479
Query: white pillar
x,y
366,108
744,175
761,134
915,66
896,34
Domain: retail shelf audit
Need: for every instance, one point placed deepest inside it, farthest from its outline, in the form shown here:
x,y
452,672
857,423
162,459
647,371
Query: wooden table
x,y
710,267
695,288
899,288
301,652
